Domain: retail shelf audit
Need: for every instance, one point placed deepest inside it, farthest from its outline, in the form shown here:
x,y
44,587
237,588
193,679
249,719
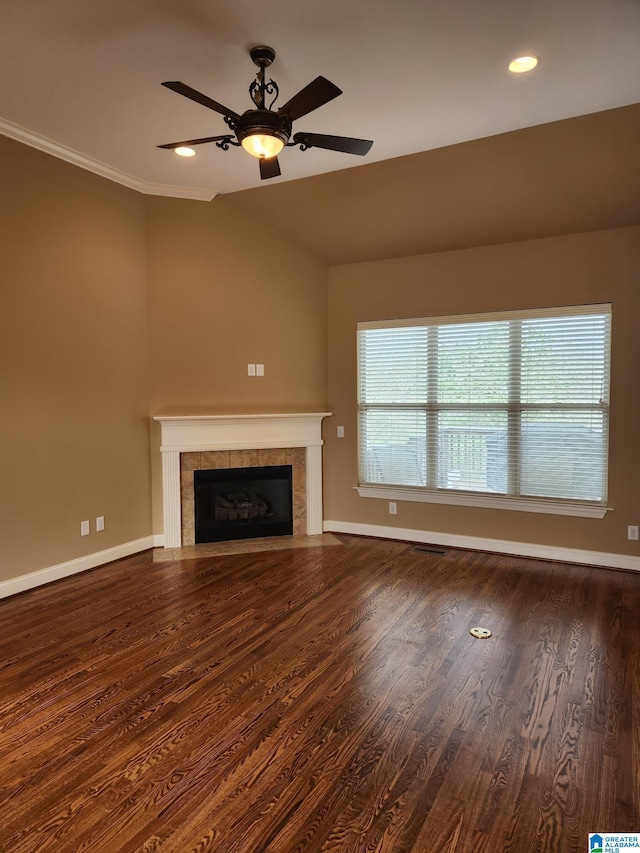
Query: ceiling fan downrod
x,y
263,56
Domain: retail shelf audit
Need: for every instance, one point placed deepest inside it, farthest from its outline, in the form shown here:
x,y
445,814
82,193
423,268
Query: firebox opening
x,y
243,503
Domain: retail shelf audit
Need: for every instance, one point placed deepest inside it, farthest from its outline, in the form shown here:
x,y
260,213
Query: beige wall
x,y
73,362
225,290
585,268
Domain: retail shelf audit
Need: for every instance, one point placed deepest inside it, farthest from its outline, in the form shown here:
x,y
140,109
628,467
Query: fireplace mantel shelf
x,y
240,432
192,433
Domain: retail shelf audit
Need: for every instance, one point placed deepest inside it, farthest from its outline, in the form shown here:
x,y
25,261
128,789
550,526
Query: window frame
x,y
434,493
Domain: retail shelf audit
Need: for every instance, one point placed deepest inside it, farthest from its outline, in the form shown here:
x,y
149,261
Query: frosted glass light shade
x,y
263,145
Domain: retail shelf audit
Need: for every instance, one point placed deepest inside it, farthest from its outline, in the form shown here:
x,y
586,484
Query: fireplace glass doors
x,y
243,503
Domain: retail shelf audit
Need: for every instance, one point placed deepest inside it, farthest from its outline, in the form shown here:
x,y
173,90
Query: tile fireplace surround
x,y
209,433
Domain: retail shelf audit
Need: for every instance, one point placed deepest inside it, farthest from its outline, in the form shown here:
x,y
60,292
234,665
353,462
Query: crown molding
x,y
170,191
69,155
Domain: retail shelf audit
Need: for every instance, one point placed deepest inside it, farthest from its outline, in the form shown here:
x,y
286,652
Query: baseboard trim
x,y
72,567
158,540
500,546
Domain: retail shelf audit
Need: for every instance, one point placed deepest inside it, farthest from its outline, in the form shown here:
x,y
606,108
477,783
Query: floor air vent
x,y
426,550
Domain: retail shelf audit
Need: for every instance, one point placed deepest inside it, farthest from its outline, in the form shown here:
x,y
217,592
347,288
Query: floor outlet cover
x,y
480,633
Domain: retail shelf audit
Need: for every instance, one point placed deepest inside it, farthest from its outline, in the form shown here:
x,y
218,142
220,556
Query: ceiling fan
x,y
263,131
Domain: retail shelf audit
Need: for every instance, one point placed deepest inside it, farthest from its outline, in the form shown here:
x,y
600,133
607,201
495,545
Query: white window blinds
x,y
514,404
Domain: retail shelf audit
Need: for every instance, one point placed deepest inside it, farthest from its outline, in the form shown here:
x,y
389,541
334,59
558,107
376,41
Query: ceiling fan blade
x,y
317,93
269,168
190,142
346,144
199,98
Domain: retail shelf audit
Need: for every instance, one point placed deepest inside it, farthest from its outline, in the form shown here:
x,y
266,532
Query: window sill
x,y
549,507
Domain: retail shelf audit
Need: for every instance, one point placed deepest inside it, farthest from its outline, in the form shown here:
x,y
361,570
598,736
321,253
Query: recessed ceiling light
x,y
184,151
523,63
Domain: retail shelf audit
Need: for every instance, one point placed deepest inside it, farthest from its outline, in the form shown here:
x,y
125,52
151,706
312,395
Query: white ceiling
x,y
82,77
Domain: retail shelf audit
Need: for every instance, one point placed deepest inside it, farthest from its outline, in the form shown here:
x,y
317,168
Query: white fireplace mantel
x,y
186,434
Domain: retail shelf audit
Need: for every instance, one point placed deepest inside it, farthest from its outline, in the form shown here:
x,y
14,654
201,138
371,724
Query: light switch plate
x,y
340,431
259,369
251,370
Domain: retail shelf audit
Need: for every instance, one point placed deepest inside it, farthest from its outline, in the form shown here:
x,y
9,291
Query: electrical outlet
x,y
99,523
84,528
632,532
393,508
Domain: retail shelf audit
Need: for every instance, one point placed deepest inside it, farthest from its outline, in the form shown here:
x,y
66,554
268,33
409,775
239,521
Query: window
x,y
512,406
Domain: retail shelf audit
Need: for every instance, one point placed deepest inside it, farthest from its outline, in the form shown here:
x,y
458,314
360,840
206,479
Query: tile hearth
x,y
244,546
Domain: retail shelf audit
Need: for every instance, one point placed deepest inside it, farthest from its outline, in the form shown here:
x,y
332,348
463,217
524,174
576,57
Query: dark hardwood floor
x,y
322,699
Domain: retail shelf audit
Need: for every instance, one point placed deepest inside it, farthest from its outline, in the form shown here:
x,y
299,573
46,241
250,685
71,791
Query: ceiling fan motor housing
x,y
263,121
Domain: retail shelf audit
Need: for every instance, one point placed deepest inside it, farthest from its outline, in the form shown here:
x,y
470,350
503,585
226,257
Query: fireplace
x,y
195,442
243,503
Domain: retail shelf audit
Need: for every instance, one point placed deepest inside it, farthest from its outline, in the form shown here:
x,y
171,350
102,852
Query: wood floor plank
x,y
321,699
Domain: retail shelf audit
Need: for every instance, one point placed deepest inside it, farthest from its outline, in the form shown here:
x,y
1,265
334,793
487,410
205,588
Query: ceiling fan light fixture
x,y
522,64
263,133
262,145
185,151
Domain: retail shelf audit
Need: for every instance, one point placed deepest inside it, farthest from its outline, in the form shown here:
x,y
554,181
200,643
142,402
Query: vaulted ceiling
x,y
82,79
575,175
